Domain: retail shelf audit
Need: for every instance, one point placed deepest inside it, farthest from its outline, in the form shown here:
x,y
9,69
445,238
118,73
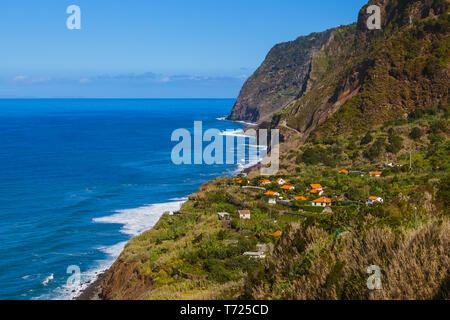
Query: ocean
x,y
80,177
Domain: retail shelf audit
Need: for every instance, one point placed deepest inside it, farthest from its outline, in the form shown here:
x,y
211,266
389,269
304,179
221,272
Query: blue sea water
x,y
80,177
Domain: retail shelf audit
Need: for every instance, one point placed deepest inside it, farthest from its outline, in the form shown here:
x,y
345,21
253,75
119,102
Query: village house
x,y
244,214
224,216
272,194
392,165
286,187
301,198
277,234
316,189
321,202
265,182
344,171
375,173
256,255
282,181
373,200
270,200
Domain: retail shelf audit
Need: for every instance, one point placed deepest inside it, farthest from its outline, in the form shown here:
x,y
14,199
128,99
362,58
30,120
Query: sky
x,y
147,48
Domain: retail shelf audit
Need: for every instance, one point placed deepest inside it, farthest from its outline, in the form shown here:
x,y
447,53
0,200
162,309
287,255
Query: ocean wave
x,y
137,220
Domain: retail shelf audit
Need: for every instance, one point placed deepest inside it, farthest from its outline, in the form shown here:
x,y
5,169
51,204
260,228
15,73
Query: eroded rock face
x,y
282,78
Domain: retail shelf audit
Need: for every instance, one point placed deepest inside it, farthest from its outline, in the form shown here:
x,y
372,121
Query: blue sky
x,y
146,48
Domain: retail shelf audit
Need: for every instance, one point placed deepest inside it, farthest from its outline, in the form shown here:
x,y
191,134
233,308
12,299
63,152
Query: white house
x,y
321,202
271,200
257,255
282,181
224,216
373,200
244,214
375,173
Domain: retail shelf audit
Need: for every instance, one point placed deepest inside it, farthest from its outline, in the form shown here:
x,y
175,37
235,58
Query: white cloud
x,y
20,78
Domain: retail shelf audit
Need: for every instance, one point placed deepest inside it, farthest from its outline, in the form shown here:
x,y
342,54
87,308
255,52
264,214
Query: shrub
x,y
416,133
366,139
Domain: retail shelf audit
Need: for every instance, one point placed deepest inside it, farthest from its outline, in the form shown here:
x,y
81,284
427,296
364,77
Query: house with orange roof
x,y
272,194
286,187
277,233
344,171
244,214
373,200
321,202
316,189
237,180
301,198
265,182
282,181
375,173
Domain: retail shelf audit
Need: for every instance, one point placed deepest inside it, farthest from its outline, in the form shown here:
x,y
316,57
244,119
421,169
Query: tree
x,y
395,142
311,156
416,133
367,139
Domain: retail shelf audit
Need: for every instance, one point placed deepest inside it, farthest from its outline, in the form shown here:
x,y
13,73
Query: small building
x,y
315,186
321,202
316,191
344,171
267,247
373,200
272,194
256,255
301,198
277,233
265,182
225,216
287,187
282,181
375,173
270,200
244,214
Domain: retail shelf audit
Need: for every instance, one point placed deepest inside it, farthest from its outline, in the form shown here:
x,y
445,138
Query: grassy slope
x,y
325,256
319,256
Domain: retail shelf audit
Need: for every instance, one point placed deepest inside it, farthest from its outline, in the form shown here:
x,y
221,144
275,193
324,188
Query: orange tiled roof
x,y
376,173
277,234
270,193
374,198
344,171
300,198
316,186
287,187
264,181
323,200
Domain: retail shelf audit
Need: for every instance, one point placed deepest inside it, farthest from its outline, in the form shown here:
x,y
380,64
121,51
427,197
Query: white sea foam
x,y
235,133
135,221
47,280
241,122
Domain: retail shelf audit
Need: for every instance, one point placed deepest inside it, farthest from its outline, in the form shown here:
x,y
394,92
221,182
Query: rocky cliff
x,y
282,78
353,78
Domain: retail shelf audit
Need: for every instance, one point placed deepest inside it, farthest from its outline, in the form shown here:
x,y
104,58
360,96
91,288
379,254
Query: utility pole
x,y
410,160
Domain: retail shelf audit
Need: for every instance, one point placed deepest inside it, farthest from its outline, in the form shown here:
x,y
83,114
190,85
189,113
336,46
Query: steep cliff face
x,y
353,78
281,78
